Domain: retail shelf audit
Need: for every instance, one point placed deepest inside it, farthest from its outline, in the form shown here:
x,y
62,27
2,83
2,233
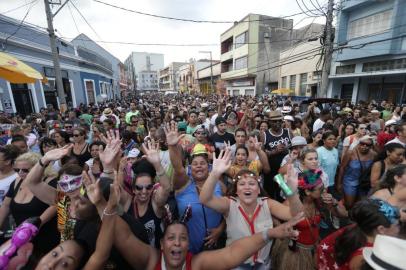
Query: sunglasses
x,y
141,187
200,133
77,135
18,170
68,126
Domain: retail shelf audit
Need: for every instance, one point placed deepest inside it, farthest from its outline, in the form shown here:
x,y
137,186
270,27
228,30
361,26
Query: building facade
x,y
188,79
169,77
205,77
370,55
85,74
147,81
249,49
299,70
138,62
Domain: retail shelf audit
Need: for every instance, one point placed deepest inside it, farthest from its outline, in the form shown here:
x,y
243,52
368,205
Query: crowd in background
x,y
190,182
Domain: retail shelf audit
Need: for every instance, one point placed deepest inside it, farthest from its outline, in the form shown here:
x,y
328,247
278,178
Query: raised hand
x,y
291,177
222,163
93,189
172,136
151,150
286,230
257,144
112,150
57,154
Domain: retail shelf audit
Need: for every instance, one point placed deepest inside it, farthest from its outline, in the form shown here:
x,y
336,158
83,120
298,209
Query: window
x,y
303,85
345,69
374,24
241,39
292,82
241,63
283,82
384,65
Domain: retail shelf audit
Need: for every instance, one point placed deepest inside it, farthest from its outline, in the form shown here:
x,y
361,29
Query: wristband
x,y
265,236
41,164
108,214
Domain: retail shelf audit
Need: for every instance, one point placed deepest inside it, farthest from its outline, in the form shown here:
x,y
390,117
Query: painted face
x,y
70,183
65,256
247,188
311,161
174,246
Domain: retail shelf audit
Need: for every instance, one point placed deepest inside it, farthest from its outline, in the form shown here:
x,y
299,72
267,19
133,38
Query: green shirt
x,y
87,117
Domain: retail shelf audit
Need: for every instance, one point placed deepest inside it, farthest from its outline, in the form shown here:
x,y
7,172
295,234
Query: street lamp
x,y
211,68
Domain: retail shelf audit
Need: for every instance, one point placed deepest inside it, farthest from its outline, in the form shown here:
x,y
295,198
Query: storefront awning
x,y
15,71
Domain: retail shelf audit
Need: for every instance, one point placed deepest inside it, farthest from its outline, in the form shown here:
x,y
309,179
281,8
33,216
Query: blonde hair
x,y
30,157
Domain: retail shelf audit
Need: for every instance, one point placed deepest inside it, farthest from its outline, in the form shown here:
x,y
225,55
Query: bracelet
x,y
265,236
41,164
107,214
293,194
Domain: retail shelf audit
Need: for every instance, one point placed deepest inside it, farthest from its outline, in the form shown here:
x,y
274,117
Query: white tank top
x,y
239,225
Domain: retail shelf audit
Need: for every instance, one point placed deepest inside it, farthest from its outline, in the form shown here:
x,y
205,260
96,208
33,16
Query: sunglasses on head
x,y
18,170
141,187
365,144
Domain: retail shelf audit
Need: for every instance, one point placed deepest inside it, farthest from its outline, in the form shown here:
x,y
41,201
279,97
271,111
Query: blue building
x,y
369,62
87,76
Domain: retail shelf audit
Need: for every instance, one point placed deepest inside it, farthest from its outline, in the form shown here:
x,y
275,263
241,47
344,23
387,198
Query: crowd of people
x,y
205,182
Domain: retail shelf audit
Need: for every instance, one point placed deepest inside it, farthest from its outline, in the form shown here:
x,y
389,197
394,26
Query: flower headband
x,y
309,179
389,211
246,173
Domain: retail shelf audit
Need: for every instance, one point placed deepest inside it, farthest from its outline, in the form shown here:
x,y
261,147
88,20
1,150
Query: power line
x,y
305,12
83,17
14,9
189,20
361,45
20,25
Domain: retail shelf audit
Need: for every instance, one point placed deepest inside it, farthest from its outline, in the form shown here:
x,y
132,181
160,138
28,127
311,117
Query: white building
x,y
138,62
169,77
147,81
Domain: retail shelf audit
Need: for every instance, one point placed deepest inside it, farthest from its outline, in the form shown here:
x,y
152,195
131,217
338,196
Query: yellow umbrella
x,y
15,71
283,91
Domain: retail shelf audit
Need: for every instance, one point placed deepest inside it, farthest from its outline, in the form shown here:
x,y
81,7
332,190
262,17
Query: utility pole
x,y
328,49
55,57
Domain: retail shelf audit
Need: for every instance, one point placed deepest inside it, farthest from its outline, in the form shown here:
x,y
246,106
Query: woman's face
x,y
397,155
200,168
94,151
330,142
200,135
65,256
401,181
143,188
311,161
58,138
316,192
175,245
317,138
241,157
349,130
22,168
362,130
248,189
78,137
364,146
263,127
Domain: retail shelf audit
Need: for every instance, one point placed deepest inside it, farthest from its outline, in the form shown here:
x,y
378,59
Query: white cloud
x,y
118,25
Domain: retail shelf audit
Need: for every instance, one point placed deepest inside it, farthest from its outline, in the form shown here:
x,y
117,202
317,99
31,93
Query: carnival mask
x,y
69,183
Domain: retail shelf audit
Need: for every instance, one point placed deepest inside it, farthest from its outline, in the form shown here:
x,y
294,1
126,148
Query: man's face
x,y
240,138
222,127
132,106
202,117
276,125
21,145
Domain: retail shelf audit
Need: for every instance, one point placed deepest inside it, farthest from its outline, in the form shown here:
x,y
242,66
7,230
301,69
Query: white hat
x,y
289,118
204,105
286,109
375,111
387,253
133,153
298,141
390,122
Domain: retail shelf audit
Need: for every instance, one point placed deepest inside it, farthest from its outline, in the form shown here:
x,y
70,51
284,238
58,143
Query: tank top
x,y
239,225
187,266
151,222
83,156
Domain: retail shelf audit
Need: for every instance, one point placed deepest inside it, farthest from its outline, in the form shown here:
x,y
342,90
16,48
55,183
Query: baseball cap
x,y
220,120
298,141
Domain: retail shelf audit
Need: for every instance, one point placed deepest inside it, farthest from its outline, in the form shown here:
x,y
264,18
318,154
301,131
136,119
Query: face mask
x,y
69,183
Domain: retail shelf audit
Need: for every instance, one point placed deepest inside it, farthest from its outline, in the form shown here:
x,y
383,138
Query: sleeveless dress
x,y
352,174
151,222
301,258
239,225
200,215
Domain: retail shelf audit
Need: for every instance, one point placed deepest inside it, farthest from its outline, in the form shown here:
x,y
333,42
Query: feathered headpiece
x,y
389,211
309,179
169,218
